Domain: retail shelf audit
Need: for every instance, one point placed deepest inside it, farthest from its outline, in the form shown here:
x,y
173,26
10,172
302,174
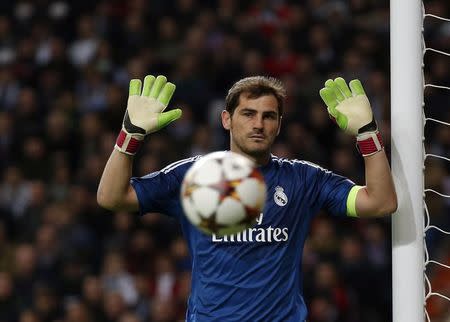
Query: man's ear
x,y
226,119
279,125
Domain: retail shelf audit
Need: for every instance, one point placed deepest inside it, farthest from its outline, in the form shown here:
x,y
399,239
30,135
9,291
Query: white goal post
x,y
408,294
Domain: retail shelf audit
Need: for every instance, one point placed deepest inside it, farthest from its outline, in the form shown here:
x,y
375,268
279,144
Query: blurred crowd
x,y
64,73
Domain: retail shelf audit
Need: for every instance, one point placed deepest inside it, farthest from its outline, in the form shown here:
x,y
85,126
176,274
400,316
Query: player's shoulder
x,y
180,166
296,164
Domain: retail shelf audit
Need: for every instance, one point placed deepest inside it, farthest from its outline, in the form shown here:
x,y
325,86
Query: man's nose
x,y
258,122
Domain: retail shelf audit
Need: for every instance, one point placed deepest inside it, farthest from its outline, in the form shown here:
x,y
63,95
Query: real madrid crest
x,y
280,197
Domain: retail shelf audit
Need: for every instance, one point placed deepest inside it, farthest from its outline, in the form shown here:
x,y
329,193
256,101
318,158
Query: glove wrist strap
x,y
369,143
128,143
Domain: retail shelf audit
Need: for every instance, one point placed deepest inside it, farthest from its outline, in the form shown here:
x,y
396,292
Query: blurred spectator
x,y
326,283
143,306
45,302
7,250
201,141
169,47
163,310
92,90
140,252
76,311
48,251
116,279
180,254
436,305
34,152
83,49
27,114
24,273
7,138
163,284
130,317
7,50
29,316
9,85
9,303
323,238
92,295
323,310
122,226
282,60
113,306
15,193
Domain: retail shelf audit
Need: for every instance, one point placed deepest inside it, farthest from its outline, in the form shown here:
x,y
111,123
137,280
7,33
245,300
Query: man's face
x,y
253,126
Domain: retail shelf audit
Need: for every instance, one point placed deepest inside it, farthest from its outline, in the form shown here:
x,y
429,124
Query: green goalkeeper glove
x,y
144,112
351,110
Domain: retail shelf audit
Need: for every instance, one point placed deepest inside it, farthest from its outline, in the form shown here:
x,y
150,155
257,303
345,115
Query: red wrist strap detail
x,y
126,143
121,138
369,143
133,146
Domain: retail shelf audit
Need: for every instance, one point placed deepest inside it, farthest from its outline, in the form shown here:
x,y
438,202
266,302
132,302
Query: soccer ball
x,y
223,193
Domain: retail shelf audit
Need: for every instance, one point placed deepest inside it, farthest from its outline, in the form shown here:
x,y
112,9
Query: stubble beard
x,y
256,153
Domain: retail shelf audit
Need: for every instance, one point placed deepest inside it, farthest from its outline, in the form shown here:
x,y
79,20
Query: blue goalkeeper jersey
x,y
254,275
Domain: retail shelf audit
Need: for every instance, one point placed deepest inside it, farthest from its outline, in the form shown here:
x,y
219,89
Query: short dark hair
x,y
255,87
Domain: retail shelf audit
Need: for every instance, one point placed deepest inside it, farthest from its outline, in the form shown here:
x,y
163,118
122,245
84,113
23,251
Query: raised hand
x,y
145,111
350,108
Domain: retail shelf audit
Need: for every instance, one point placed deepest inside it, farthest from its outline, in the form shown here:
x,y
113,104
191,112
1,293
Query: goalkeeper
x,y
258,280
